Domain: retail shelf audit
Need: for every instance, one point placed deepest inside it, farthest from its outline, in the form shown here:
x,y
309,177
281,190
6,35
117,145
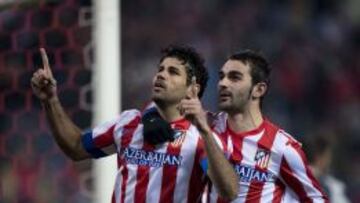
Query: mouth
x,y
224,95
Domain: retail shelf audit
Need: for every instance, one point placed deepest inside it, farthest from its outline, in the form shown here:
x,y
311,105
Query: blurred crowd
x,y
313,47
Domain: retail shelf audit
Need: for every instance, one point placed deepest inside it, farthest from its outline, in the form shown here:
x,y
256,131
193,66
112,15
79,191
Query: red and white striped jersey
x,y
170,172
270,164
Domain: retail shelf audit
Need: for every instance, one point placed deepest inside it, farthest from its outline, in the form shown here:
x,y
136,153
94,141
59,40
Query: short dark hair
x,y
260,69
193,62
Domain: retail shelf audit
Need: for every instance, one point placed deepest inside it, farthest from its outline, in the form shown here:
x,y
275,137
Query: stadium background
x,y
313,46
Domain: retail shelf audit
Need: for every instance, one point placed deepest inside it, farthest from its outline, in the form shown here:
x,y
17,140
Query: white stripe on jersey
x,y
249,147
269,189
117,188
297,165
122,119
155,179
290,196
230,146
184,173
137,140
275,166
127,117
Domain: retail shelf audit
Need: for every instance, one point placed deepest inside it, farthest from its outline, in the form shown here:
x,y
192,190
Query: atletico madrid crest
x,y
262,158
179,138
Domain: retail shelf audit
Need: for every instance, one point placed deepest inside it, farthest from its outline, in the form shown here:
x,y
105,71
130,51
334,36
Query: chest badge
x,y
179,136
262,158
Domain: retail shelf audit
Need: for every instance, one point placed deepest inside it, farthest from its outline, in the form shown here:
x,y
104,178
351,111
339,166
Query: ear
x,y
259,90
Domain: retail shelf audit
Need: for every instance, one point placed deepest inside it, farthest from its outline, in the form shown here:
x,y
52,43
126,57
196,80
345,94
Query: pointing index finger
x,y
194,89
45,61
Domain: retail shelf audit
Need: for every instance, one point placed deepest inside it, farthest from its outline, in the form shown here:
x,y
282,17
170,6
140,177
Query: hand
x,y
43,82
192,109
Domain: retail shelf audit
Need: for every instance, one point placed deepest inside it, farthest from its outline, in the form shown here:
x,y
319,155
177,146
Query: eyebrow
x,y
232,72
174,68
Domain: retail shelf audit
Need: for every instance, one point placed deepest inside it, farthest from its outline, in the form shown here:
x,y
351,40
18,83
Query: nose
x,y
223,83
160,75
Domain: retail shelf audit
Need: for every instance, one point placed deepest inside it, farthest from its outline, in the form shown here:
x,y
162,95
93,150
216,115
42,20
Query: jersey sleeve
x,y
101,140
296,173
203,157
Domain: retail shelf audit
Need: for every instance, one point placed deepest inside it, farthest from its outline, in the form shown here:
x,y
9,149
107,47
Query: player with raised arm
x,y
169,169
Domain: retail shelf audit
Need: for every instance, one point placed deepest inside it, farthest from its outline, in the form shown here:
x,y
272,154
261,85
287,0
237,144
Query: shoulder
x,y
284,137
289,139
291,150
130,113
283,141
127,117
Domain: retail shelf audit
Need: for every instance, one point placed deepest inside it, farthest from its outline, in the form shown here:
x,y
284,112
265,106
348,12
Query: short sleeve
x,y
296,173
101,140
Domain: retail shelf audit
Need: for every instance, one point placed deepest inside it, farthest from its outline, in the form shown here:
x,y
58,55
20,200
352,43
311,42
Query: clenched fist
x,y
43,82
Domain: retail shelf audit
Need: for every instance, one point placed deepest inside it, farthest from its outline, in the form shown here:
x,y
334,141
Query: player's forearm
x,y
220,170
65,132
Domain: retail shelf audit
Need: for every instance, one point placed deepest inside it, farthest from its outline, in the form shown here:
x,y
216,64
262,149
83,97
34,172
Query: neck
x,y
248,120
169,112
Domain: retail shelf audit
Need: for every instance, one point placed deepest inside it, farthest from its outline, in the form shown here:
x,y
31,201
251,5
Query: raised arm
x,y
65,132
219,169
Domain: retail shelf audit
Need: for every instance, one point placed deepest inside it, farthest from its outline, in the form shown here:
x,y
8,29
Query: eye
x,y
235,76
174,71
161,68
221,75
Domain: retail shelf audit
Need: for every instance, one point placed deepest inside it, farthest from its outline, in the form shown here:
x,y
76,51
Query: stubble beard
x,y
159,100
234,106
163,101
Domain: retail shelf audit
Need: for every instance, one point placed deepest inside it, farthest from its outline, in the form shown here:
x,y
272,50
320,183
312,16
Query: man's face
x,y
234,86
169,83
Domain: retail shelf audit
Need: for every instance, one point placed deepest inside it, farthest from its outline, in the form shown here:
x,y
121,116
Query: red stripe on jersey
x,y
309,174
142,178
278,192
125,174
169,177
105,139
196,186
236,156
113,200
292,181
266,142
128,133
237,142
